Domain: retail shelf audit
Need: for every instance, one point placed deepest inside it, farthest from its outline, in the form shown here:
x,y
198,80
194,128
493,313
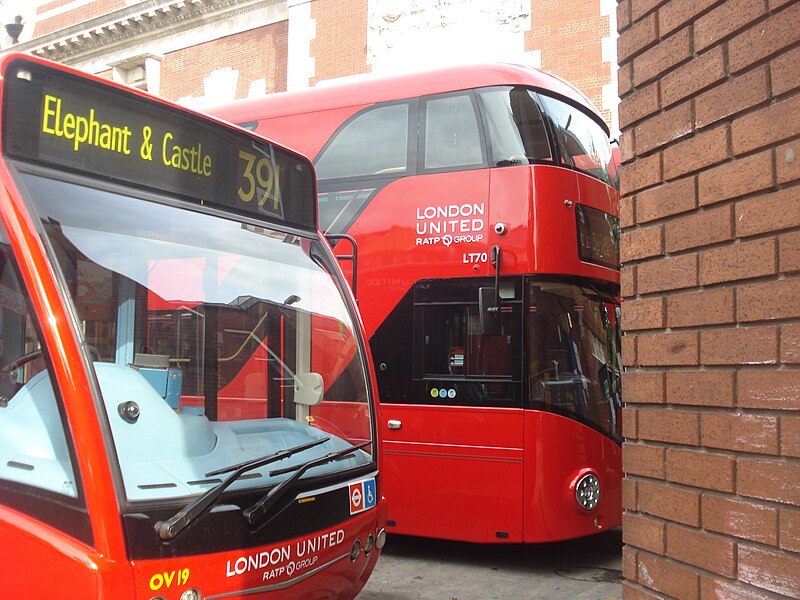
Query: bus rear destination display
x,y
61,120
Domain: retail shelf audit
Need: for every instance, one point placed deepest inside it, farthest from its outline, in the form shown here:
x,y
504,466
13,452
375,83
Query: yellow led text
x,y
260,176
185,159
83,130
168,579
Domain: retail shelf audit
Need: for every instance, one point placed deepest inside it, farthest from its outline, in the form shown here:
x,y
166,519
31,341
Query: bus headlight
x,y
587,491
355,550
380,541
191,594
369,545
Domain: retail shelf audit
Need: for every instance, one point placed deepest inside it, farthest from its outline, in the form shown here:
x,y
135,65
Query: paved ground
x,y
421,569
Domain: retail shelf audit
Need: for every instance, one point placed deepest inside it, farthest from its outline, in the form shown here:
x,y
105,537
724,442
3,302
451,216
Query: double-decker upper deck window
x,y
582,141
517,135
452,138
33,442
375,142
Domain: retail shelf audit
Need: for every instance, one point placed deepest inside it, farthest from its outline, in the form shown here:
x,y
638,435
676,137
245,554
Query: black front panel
x,y
62,120
225,527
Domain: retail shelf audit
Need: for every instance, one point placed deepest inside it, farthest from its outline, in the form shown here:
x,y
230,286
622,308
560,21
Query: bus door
x,y
455,450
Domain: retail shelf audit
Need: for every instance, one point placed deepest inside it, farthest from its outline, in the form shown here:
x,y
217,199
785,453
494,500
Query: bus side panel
x,y
416,227
558,451
36,549
597,194
453,472
555,195
511,192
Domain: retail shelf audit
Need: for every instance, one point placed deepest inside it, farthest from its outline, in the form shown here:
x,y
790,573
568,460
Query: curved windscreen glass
x,y
515,118
214,342
573,348
583,143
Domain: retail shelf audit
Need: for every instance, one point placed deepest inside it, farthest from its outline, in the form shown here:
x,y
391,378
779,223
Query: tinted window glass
x,y
33,442
374,143
451,133
582,141
339,208
457,361
455,343
572,344
517,134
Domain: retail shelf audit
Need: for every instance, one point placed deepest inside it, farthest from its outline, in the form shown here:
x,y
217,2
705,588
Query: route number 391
x,y
259,176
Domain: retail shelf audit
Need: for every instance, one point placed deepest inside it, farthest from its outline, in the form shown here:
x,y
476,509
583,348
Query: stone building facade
x,y
203,51
710,118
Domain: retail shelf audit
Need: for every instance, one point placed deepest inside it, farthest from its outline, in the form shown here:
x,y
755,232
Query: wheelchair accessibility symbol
x,y
362,496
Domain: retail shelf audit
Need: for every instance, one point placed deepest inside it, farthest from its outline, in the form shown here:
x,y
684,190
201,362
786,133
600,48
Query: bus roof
x,y
363,90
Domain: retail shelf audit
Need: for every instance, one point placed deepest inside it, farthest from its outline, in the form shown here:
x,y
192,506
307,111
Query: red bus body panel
x,y
514,468
37,549
44,558
426,479
225,573
557,451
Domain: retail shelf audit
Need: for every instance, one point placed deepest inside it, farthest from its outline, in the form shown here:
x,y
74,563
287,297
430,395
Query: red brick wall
x,y
569,35
257,54
72,17
340,45
710,119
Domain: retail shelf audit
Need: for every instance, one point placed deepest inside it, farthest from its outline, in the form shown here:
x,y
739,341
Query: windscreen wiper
x,y
169,529
268,500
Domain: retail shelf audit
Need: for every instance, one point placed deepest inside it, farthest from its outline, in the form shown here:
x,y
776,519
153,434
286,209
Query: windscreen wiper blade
x,y
268,500
169,529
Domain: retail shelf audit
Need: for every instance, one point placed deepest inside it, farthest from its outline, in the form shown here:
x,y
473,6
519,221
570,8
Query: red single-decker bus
x,y
187,406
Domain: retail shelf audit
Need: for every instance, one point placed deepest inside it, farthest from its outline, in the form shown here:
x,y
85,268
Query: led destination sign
x,y
598,236
54,118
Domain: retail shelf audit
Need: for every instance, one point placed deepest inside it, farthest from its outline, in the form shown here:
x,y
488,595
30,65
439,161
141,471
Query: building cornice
x,y
134,25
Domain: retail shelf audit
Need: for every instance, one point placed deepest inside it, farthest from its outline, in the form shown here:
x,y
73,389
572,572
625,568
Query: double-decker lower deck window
x,y
573,357
456,360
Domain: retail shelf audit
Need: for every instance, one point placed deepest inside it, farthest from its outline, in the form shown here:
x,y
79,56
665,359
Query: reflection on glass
x,y
214,342
33,444
574,363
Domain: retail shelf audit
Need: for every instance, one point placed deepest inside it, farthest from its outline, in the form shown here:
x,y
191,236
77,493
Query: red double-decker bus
x,y
484,211
187,405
